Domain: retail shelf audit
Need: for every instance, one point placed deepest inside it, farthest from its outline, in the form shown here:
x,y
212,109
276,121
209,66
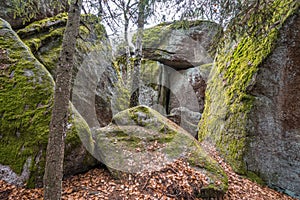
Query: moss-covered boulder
x,y
141,139
20,13
182,44
252,109
45,39
26,98
188,48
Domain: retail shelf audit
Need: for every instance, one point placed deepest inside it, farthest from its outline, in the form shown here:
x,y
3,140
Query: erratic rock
x,y
252,102
26,97
141,139
182,44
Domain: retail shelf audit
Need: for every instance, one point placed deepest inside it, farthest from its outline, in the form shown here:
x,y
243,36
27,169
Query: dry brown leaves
x,y
242,188
175,181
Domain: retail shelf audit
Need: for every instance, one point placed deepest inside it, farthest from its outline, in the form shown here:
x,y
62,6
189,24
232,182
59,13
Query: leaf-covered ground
x,y
175,181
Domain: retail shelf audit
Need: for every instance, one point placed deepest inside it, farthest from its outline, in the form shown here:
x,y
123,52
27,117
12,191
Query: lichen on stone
x,y
224,121
141,139
26,100
44,38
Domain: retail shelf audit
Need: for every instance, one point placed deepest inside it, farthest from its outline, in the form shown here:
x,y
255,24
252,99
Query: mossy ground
x,y
228,101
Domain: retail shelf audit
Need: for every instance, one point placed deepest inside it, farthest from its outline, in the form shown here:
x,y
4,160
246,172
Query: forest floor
x,y
175,181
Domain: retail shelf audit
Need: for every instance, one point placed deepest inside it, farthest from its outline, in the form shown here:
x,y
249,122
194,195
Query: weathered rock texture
x,y
184,52
181,45
140,139
275,118
25,110
14,11
184,82
45,39
149,86
252,101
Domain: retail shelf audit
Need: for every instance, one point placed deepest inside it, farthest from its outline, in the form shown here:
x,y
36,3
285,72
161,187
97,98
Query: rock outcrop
x,y
252,100
140,139
45,39
182,44
26,99
149,87
14,11
184,52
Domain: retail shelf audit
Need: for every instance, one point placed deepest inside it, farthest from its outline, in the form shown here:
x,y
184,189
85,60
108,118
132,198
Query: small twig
x,y
145,185
171,169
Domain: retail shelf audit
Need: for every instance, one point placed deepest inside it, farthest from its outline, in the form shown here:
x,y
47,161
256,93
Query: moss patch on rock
x,y
228,102
26,101
141,139
26,98
44,38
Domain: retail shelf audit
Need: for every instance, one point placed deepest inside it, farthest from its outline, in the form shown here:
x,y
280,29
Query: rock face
x,y
141,139
45,39
186,99
25,110
104,95
38,9
187,48
181,45
184,51
275,118
186,118
181,84
149,86
252,108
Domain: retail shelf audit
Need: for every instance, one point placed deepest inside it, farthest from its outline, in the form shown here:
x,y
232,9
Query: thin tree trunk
x,y
134,100
58,126
127,48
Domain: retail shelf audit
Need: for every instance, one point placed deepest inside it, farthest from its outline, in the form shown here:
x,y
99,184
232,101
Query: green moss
x,y
149,75
228,102
25,103
155,36
254,177
43,25
44,38
150,71
185,24
26,98
79,132
141,127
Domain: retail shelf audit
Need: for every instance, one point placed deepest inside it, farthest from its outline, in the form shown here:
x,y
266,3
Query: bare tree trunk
x,y
134,100
127,48
58,126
